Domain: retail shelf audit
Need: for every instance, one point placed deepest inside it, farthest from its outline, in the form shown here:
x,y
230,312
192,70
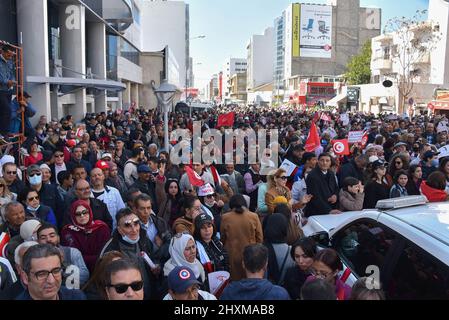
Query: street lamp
x,y
165,95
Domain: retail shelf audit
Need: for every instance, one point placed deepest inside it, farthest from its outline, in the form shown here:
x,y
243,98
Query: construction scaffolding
x,y
16,139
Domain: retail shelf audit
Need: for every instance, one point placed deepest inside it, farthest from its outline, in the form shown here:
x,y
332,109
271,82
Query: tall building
x,y
279,43
167,23
231,67
321,39
80,56
260,59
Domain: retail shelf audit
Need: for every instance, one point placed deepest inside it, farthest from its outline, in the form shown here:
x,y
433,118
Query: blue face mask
x,y
435,163
33,209
35,180
130,241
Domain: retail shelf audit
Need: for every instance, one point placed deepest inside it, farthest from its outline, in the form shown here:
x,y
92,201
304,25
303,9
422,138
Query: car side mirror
x,y
321,238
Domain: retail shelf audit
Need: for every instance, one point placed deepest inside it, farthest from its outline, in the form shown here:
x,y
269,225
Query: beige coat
x,y
237,231
350,203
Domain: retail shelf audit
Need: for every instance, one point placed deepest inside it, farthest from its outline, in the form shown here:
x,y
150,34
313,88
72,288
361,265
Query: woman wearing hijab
x,y
86,234
279,259
183,254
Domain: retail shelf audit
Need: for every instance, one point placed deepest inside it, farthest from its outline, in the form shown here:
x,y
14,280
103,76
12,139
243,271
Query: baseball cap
x,y
143,168
181,278
429,154
201,220
101,164
28,228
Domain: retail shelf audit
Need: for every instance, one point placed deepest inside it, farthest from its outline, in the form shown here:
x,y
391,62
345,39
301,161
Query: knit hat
x,y
28,228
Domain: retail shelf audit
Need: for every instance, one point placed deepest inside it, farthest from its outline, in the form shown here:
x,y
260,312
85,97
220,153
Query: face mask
x,y
130,241
35,180
33,209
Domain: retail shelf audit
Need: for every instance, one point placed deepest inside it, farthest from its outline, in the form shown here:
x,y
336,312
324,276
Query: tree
x,y
415,39
359,68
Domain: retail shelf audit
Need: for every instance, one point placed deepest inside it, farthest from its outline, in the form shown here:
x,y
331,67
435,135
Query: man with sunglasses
x,y
10,174
42,275
131,240
124,281
48,194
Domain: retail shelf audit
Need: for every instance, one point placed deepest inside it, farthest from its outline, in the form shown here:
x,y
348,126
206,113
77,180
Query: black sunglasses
x,y
35,174
122,288
283,178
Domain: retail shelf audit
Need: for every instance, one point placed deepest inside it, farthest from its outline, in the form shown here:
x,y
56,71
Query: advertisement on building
x,y
296,30
316,31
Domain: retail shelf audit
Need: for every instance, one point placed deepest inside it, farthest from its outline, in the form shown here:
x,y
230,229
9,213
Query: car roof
x,y
431,218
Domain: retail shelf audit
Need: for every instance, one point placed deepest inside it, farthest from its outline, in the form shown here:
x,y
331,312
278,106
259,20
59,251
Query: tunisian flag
x,y
313,140
341,147
226,120
194,178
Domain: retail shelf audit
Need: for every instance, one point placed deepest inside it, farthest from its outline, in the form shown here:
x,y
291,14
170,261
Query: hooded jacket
x,y
432,194
254,289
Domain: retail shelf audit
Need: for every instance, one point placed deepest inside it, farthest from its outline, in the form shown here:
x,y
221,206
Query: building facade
x,y
321,39
231,67
77,54
260,59
238,87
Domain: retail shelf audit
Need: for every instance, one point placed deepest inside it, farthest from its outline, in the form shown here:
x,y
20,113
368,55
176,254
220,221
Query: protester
x,y
34,209
318,289
182,285
377,188
85,233
294,231
351,195
399,188
434,187
254,286
124,281
169,200
414,180
302,252
6,196
192,208
239,228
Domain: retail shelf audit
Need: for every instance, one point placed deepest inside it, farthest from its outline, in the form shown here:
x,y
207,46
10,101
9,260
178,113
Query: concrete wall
x,y
439,12
8,22
127,70
164,23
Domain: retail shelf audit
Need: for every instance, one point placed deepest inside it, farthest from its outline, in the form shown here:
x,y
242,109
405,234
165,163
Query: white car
x,y
406,239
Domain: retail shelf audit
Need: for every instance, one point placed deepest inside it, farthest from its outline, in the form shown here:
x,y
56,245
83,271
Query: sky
x,y
229,24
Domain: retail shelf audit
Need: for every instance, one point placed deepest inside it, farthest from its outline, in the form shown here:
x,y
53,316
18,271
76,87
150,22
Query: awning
x,y
336,100
79,82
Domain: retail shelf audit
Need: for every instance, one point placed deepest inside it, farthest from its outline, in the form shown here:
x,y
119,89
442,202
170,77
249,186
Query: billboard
x,y
296,29
316,31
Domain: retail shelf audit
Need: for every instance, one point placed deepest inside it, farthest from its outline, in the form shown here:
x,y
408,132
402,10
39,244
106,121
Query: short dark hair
x,y
120,265
307,156
189,201
330,258
39,251
77,166
308,245
349,182
8,164
437,180
136,151
62,176
318,289
237,203
255,257
142,197
129,194
324,154
398,174
123,213
154,159
45,226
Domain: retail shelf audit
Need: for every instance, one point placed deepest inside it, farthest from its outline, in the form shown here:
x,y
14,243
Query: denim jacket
x,y
7,72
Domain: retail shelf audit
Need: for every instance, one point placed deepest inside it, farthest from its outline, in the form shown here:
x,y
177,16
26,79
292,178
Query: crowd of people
x,y
101,206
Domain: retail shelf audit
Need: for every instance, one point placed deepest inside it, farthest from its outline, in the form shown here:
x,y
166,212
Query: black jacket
x,y
293,281
85,164
350,169
322,187
50,197
17,186
149,188
374,192
99,210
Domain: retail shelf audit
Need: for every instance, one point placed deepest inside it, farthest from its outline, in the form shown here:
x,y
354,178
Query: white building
x,y
260,59
279,43
166,23
231,67
431,68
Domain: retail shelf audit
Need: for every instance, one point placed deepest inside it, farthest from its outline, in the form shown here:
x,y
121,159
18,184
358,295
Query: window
x,y
364,243
418,275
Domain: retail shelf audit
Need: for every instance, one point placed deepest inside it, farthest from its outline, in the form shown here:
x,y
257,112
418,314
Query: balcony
x,y
382,64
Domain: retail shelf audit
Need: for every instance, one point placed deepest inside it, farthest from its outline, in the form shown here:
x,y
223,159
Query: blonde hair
x,y
272,175
6,191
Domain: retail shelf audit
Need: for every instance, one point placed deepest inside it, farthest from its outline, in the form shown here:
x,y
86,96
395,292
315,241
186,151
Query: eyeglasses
x,y
82,213
122,288
321,275
11,172
398,162
59,155
35,174
130,223
33,198
43,274
83,189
